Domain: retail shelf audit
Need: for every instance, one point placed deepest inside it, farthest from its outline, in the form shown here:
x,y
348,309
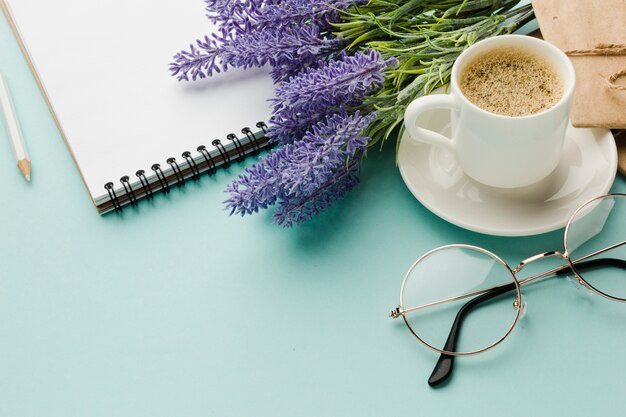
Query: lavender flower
x,y
290,12
299,209
227,12
242,15
279,48
301,44
310,96
195,62
287,34
223,6
259,187
305,176
315,158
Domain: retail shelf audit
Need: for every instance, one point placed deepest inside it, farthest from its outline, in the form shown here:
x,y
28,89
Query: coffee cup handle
x,y
421,105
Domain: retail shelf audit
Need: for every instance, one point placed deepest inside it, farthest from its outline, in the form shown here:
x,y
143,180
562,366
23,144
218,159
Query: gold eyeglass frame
x,y
400,311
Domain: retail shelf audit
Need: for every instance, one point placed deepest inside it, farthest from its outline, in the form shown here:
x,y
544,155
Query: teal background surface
x,y
177,309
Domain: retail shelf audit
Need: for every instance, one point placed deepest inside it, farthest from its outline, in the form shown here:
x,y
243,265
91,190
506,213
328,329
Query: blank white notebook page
x,y
104,66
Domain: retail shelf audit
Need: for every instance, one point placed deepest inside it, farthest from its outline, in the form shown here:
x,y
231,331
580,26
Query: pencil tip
x,y
24,167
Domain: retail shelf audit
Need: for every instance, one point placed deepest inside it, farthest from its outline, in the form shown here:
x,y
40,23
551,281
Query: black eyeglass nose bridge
x,y
537,257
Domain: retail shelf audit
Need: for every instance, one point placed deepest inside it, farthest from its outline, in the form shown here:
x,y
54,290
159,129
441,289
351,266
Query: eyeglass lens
x,y
599,225
451,272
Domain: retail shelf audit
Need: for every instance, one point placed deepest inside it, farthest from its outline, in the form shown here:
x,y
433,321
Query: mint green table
x,y
176,309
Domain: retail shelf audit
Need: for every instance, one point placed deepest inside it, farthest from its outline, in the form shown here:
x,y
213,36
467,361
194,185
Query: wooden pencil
x,y
15,132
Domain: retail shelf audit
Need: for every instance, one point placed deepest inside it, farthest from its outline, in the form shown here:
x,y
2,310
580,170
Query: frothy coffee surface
x,y
511,82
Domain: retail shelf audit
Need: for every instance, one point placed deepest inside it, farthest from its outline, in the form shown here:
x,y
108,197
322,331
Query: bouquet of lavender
x,y
345,70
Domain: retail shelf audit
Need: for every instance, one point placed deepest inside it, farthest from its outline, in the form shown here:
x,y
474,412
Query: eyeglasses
x,y
462,300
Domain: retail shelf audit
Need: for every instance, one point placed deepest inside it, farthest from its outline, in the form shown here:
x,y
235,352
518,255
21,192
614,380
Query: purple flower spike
x,y
197,62
241,16
309,97
279,48
306,176
299,12
300,209
259,187
229,12
289,35
322,151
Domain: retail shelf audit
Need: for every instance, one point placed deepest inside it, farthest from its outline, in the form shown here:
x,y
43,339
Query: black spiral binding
x,y
266,131
209,160
223,154
195,172
241,152
161,177
141,174
129,190
180,178
256,147
109,186
224,160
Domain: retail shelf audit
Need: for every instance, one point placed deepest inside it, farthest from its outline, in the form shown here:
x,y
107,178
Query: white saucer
x,y
434,177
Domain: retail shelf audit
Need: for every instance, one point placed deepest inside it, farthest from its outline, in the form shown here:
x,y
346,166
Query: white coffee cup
x,y
498,150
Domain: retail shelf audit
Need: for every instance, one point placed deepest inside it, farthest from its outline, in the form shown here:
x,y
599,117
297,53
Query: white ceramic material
x,y
434,176
497,150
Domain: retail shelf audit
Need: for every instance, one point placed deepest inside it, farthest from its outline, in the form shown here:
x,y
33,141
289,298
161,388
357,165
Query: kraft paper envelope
x,y
593,34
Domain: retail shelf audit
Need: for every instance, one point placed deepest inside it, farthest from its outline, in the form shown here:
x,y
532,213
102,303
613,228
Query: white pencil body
x,y
14,130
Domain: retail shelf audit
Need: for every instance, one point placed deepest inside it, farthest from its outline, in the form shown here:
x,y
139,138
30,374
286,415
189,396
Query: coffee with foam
x,y
511,82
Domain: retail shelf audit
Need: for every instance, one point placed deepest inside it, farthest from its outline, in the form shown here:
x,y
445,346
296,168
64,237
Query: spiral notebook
x,y
131,127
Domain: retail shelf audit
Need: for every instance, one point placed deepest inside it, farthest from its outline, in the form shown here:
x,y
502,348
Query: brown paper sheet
x,y
581,25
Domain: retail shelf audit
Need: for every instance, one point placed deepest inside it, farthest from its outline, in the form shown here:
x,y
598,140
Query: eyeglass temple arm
x,y
445,364
443,368
594,263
